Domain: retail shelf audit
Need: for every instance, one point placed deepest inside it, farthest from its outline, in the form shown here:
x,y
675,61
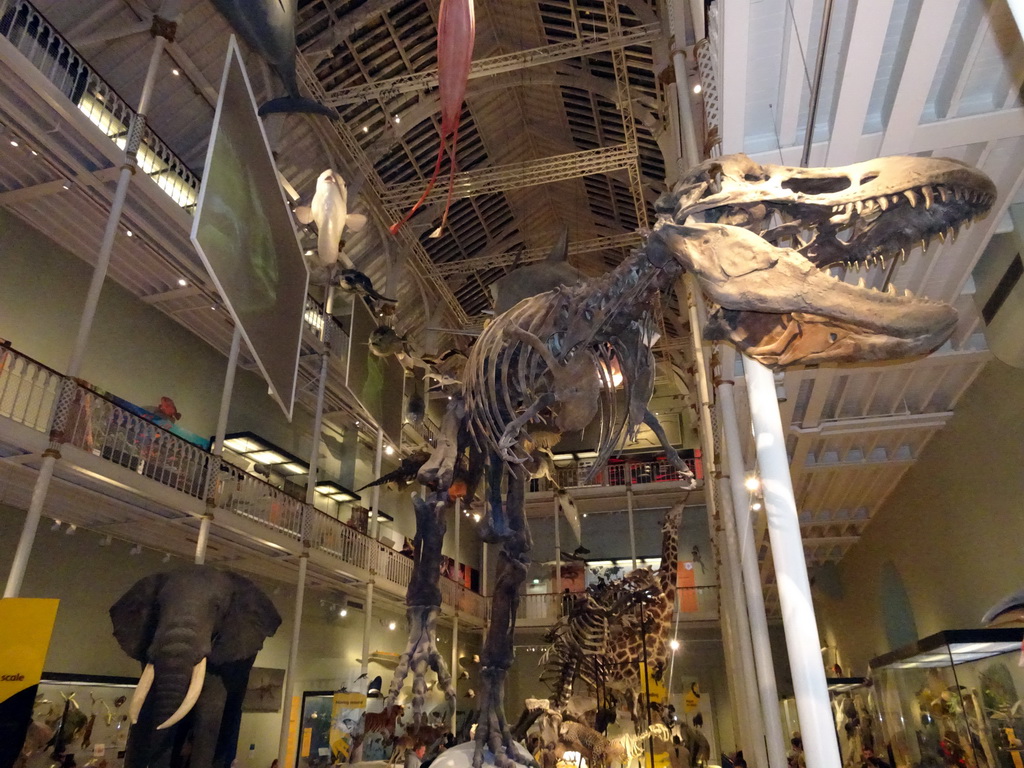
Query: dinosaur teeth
x,y
911,197
952,233
891,289
907,293
883,203
929,197
944,193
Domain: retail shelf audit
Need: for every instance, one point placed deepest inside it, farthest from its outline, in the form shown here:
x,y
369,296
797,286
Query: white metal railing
x,y
624,473
28,390
95,424
29,31
693,604
249,496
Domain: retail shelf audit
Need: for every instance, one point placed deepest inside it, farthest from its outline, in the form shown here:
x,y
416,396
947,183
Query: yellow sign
x,y
691,701
346,710
25,628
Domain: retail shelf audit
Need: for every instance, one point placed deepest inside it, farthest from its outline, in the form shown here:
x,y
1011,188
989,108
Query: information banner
x,y
26,625
346,711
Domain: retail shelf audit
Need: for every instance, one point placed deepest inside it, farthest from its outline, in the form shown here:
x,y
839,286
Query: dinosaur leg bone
x,y
423,599
492,729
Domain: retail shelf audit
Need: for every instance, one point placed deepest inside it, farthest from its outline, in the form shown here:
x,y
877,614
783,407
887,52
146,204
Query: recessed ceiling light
x,y
366,129
389,450
128,232
397,119
34,153
182,282
14,142
175,71
696,88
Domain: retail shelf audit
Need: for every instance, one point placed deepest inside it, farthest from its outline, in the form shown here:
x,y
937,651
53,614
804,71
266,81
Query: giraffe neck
x,y
669,550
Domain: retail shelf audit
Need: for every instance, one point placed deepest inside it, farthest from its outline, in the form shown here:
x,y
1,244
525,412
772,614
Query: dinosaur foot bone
x,y
421,654
492,730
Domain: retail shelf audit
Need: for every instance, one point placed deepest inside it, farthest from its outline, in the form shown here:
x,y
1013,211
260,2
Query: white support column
x,y
558,546
373,526
748,558
629,518
753,730
802,644
455,668
50,456
218,444
293,660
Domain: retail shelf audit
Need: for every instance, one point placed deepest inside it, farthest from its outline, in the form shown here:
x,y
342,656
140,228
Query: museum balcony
x,y
122,475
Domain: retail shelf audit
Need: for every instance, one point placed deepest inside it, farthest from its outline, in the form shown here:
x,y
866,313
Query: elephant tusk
x,y
141,691
195,687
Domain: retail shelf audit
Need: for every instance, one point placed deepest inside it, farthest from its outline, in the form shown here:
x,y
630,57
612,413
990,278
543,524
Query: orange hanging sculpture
x,y
456,31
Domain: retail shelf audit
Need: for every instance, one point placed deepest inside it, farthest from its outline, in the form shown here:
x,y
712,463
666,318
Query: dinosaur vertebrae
x,y
552,363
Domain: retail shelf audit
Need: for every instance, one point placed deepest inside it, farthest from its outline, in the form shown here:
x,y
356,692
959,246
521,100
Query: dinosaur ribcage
x,y
546,367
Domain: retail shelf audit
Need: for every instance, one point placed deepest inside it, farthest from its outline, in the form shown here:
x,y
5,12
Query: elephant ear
x,y
136,614
249,619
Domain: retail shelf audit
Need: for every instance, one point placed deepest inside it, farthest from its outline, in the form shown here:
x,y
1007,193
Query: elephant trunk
x,y
178,675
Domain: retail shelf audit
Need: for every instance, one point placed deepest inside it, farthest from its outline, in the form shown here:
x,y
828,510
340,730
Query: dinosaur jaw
x,y
781,309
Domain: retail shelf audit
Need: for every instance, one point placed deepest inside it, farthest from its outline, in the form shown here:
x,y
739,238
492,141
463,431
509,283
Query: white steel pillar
x,y
748,558
802,644
373,526
629,517
558,546
293,660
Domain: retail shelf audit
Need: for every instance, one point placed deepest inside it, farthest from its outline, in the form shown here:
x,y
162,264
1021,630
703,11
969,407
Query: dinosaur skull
x,y
762,241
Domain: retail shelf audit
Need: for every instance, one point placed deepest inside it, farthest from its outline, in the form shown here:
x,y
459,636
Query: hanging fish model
x,y
456,32
329,209
268,27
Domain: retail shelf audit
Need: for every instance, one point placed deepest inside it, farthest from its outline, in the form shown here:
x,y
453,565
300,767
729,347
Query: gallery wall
x,y
947,543
88,578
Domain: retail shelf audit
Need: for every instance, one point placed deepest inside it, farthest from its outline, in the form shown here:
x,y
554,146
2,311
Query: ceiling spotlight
x,y
536,581
756,506
343,612
136,550
34,153
14,142
71,530
55,526
752,483
673,644
182,282
476,517
392,625
397,121
66,184
366,129
176,72
128,232
389,450
697,88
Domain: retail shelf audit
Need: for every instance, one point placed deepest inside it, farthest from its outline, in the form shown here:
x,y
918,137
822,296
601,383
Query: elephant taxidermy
x,y
197,631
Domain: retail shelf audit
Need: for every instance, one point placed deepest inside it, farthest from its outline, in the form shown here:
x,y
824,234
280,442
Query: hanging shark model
x,y
268,27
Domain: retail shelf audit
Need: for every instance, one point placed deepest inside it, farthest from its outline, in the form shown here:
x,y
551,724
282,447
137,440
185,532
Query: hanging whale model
x,y
329,210
268,27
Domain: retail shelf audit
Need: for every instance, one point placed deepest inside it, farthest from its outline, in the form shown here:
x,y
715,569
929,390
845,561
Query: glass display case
x,y
856,717
953,699
83,716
